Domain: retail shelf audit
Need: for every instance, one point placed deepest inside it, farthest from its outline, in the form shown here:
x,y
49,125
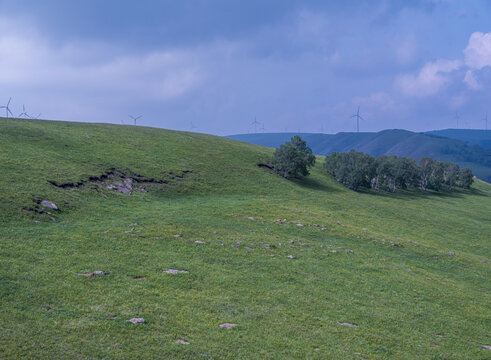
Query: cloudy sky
x,y
215,65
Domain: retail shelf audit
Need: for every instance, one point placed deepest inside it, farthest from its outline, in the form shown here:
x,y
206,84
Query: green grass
x,y
400,297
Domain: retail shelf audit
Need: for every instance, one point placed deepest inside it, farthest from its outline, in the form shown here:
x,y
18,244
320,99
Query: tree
x,y
431,174
465,178
292,158
450,173
353,169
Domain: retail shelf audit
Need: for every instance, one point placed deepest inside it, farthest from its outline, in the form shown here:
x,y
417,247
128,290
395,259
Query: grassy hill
x,y
410,271
389,142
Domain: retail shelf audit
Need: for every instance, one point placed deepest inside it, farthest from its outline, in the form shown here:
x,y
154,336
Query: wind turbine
x,y
7,109
192,126
262,128
135,118
486,121
457,117
358,117
255,123
24,112
36,117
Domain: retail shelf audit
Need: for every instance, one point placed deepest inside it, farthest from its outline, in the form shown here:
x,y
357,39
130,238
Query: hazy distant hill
x,y
393,142
473,137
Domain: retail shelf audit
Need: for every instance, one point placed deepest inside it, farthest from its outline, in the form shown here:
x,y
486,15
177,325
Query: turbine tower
x,y
485,119
192,126
7,109
457,117
358,117
135,118
255,123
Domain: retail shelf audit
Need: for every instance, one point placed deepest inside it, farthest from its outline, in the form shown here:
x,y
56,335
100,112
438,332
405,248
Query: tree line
x,y
357,170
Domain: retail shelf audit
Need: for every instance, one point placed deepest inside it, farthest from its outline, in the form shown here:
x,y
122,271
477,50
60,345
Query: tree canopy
x,y
293,158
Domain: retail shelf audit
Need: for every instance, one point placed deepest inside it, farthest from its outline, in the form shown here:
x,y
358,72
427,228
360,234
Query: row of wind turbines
x,y
23,114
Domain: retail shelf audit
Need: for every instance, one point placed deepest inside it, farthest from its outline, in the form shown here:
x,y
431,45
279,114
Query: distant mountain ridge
x,y
394,142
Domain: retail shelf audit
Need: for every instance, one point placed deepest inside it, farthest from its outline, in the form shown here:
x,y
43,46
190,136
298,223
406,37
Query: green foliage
x,y
356,170
353,169
465,178
292,158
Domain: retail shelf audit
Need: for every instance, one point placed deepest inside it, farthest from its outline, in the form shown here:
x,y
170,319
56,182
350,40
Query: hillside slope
x,y
388,142
341,275
481,138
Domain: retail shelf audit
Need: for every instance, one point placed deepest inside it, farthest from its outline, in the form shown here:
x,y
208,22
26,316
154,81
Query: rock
x,y
227,325
178,236
137,320
323,228
365,230
486,346
299,224
100,272
49,204
179,341
394,244
37,221
271,255
333,251
450,253
97,272
292,241
52,219
215,232
199,242
251,218
347,324
284,220
291,257
158,237
278,221
173,271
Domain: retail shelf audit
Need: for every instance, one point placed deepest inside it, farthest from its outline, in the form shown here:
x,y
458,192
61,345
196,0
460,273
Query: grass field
x,y
411,270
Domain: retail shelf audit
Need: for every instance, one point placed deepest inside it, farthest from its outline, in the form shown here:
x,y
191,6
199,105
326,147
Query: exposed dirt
x,y
122,181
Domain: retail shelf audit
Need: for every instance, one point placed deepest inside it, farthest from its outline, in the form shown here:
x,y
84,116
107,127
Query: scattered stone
x,y
227,325
49,204
365,230
292,241
139,278
439,335
284,220
179,341
433,344
105,232
37,221
52,219
450,253
316,349
178,236
415,297
337,222
483,260
291,257
134,224
137,320
158,237
214,232
251,218
199,242
173,271
323,228
394,244
278,221
235,246
347,324
98,272
299,224
271,255
333,251
348,251
486,346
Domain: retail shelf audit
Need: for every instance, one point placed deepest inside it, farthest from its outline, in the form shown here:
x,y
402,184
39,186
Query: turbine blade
x,y
9,102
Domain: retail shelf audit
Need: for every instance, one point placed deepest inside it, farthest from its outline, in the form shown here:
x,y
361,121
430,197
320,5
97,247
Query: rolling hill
x,y
389,142
223,259
481,138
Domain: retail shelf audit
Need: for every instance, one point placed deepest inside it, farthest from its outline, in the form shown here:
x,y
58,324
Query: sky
x,y
215,66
